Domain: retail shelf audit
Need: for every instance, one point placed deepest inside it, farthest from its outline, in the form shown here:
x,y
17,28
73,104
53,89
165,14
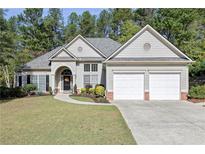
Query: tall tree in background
x,y
119,16
72,28
128,29
104,23
87,24
143,16
54,28
7,50
32,33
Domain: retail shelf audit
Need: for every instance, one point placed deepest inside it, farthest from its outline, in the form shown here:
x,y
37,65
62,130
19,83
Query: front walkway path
x,y
66,98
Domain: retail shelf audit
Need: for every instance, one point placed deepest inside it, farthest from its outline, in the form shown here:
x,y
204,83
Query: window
x,y
42,83
28,79
94,67
90,80
20,81
90,67
86,67
34,80
47,82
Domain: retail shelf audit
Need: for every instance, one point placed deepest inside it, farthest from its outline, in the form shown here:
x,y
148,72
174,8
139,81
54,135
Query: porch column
x,y
53,83
74,81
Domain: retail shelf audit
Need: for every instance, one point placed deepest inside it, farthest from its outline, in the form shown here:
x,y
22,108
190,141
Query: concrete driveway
x,y
164,122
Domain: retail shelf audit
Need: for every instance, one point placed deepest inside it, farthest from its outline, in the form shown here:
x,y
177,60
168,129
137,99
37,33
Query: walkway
x,y
66,98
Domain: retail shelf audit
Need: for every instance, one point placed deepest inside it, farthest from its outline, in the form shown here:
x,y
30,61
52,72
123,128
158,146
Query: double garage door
x,y
161,86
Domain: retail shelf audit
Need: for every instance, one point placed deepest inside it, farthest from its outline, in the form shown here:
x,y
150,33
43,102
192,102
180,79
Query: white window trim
x,y
90,68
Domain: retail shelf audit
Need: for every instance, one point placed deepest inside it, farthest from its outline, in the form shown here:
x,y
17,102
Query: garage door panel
x,y
164,86
128,86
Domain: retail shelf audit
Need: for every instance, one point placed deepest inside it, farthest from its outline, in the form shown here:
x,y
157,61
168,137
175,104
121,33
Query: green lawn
x,y
44,120
81,98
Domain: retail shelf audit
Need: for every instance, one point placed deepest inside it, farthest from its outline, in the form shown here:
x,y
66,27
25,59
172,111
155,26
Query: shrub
x,y
75,89
99,85
92,91
83,90
50,91
100,91
11,92
87,87
28,88
197,92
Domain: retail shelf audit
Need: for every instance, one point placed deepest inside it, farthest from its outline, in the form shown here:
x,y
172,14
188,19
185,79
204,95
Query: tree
x,y
104,24
54,27
128,29
32,33
87,24
72,28
143,16
7,51
119,16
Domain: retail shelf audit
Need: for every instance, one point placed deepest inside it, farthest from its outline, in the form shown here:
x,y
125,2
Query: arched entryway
x,y
64,79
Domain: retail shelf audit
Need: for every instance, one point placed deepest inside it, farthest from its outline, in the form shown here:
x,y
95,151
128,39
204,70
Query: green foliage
x,y
197,92
11,92
92,91
87,24
100,91
28,88
83,90
128,29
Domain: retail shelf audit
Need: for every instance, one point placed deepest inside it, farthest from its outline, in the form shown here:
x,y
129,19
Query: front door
x,y
66,82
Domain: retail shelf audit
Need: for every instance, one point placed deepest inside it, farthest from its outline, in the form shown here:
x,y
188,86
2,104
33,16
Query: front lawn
x,y
44,120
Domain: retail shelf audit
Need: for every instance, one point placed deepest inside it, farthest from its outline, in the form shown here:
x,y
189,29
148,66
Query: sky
x,y
66,12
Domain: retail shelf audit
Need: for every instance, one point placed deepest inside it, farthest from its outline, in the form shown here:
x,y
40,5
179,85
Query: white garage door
x,y
164,86
128,86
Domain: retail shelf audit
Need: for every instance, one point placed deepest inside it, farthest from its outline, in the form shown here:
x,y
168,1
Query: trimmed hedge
x,y
197,92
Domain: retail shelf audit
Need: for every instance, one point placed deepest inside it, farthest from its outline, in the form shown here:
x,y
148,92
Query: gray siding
x,y
87,51
136,48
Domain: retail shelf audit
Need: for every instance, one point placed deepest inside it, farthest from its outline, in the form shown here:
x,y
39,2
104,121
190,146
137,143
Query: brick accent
x,y
109,96
183,95
146,96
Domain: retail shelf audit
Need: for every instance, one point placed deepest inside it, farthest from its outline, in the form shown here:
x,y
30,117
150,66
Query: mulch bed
x,y
196,100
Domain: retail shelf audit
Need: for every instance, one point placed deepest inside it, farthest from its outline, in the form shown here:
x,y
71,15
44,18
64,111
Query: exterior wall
x,y
136,48
80,73
63,54
25,73
86,52
183,70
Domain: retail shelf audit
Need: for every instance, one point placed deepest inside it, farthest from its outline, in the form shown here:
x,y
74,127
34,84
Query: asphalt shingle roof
x,y
106,45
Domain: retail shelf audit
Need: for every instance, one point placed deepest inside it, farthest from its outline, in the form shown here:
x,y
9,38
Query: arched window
x,y
66,72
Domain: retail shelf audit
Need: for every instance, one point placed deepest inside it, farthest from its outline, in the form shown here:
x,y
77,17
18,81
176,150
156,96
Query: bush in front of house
x,y
83,90
100,91
197,92
29,88
6,92
92,91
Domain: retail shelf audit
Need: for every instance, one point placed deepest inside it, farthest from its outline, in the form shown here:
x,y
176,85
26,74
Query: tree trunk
x,y
6,75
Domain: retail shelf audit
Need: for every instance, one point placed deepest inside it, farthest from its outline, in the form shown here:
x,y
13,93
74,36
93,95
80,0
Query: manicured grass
x,y
44,120
81,98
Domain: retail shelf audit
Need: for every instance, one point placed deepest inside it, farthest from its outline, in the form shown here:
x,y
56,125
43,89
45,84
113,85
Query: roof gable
x,y
62,53
80,47
158,46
